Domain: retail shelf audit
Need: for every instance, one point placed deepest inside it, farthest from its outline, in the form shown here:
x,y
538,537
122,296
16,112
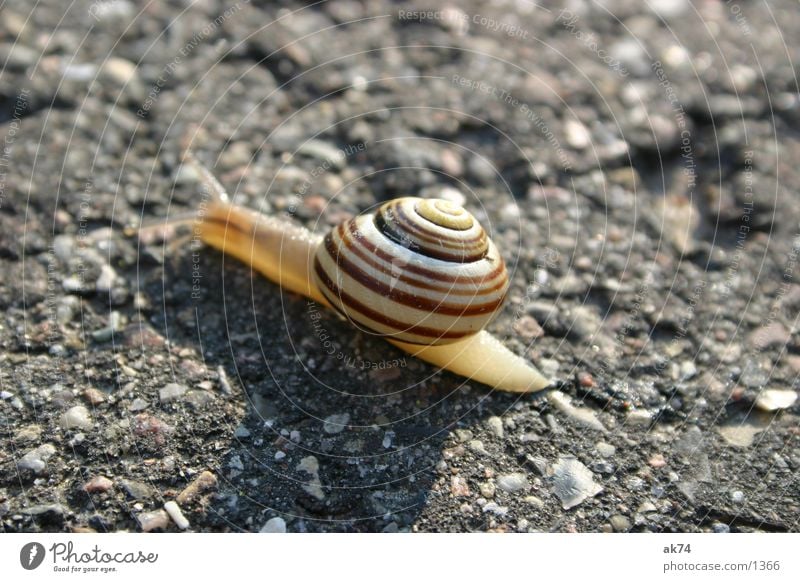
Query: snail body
x,y
420,273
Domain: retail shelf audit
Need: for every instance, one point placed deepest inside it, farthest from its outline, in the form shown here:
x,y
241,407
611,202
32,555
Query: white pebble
x,y
274,525
582,416
573,482
174,511
512,482
336,423
495,508
153,520
76,417
605,449
578,135
36,460
496,426
172,392
773,399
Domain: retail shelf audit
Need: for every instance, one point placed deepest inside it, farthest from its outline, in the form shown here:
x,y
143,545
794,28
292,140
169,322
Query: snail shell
x,y
418,271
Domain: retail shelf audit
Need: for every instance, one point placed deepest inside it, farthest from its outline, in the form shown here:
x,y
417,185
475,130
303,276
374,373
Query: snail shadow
x,y
341,431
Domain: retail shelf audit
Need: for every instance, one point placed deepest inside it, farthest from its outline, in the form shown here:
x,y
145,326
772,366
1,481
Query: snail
x,y
421,273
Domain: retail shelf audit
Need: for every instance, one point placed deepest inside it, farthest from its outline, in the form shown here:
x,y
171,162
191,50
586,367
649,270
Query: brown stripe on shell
x,y
374,284
355,244
463,250
395,224
335,295
477,242
428,273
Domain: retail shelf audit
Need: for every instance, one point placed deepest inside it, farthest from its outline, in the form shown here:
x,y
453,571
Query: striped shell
x,y
419,271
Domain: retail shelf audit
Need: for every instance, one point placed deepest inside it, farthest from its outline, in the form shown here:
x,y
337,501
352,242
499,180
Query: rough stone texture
x,y
645,202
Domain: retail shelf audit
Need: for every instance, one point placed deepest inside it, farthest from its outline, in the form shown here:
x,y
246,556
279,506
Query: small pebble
x,y
578,135
459,487
481,170
204,482
604,468
224,383
487,489
153,520
174,511
138,404
573,482
94,396
120,70
324,152
105,334
30,433
737,496
76,417
476,446
73,284
274,525
495,425
740,434
774,399
36,460
310,465
512,482
647,507
236,463
280,455
720,528
135,489
495,508
534,501
172,392
336,423
620,523
605,449
151,427
753,375
199,399
639,418
688,370
98,484
581,416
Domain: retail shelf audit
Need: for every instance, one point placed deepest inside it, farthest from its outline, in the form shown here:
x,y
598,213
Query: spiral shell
x,y
418,271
